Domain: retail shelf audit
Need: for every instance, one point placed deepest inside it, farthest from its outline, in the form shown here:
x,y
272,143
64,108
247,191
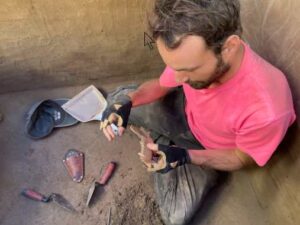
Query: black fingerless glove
x,y
117,112
169,157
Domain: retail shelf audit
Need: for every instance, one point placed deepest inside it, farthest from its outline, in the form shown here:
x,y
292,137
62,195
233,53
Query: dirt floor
x,y
38,164
25,163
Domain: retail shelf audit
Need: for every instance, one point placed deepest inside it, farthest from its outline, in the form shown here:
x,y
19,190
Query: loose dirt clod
x,y
135,207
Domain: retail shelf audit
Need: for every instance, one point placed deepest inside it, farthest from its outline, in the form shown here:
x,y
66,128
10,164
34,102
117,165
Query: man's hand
x,y
116,113
166,158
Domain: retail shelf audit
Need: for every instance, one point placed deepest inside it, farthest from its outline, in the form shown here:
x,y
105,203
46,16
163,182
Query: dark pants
x,y
179,192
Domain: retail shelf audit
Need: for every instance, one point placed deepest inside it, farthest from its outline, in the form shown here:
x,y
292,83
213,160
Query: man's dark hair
x,y
213,20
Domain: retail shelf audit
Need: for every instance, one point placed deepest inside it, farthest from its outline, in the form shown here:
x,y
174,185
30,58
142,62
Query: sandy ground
x,y
25,163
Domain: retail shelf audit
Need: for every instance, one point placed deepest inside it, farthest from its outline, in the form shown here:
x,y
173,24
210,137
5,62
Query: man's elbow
x,y
244,160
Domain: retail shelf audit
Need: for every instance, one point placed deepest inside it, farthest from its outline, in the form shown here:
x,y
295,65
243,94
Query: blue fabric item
x,y
46,115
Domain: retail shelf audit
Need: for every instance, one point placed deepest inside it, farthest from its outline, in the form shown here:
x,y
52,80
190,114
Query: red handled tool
x,y
95,189
56,198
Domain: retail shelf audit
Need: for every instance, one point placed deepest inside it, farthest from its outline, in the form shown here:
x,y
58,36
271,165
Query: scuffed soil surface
x,y
136,206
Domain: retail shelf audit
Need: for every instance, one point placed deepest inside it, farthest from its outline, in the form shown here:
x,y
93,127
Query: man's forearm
x,y
226,160
148,92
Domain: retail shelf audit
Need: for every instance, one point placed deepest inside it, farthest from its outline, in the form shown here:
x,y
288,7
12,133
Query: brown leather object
x,y
74,163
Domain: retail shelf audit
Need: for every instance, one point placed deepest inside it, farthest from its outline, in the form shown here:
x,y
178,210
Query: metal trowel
x,y
54,197
88,105
96,186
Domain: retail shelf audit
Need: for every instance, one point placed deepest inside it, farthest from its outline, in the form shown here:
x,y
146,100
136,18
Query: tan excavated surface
x,y
60,43
262,196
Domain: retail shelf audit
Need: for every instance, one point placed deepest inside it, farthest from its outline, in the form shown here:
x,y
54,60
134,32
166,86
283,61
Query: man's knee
x,y
122,90
180,192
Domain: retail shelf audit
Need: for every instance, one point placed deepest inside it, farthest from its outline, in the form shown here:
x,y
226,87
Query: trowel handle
x,y
107,173
34,195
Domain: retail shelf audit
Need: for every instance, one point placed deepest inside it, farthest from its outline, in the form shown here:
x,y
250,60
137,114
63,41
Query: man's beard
x,y
220,70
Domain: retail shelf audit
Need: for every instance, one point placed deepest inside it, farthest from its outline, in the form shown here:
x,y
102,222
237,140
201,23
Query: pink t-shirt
x,y
252,111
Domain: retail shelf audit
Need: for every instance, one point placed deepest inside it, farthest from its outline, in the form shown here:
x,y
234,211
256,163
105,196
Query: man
x,y
221,106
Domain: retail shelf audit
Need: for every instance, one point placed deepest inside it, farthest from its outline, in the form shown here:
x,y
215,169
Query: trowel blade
x,y
95,193
91,192
61,201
